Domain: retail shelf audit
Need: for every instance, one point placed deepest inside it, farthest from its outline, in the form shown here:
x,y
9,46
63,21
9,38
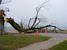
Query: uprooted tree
x,y
29,30
33,28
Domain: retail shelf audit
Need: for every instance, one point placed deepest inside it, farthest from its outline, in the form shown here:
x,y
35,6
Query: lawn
x,y
10,42
61,46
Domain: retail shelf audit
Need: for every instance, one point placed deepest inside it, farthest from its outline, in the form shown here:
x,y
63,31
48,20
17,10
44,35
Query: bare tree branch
x,y
37,23
29,23
38,10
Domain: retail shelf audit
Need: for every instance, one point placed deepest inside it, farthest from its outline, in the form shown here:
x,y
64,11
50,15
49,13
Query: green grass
x,y
9,42
61,46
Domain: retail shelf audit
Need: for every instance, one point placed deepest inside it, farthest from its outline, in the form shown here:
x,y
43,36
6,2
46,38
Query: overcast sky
x,y
55,11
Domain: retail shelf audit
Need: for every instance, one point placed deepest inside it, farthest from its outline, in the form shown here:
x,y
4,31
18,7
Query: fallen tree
x,y
29,30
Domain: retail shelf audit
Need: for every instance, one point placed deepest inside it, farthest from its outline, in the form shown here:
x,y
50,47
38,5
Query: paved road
x,y
56,39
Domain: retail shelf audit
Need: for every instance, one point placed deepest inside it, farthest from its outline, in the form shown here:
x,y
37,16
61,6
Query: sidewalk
x,y
56,39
